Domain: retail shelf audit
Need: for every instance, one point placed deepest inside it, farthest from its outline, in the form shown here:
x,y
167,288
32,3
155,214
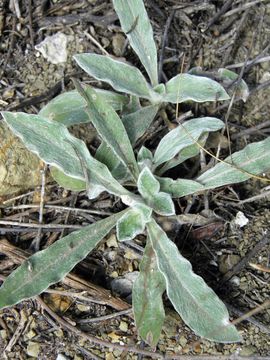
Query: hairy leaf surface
x,y
67,182
69,107
254,158
149,187
135,23
138,122
183,137
147,300
130,225
196,303
51,265
186,87
180,187
227,78
110,128
53,143
120,75
184,154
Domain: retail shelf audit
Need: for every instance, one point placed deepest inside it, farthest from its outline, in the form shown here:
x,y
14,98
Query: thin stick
x,y
215,18
242,8
250,62
75,295
101,48
164,41
36,242
263,195
37,226
106,317
255,311
250,319
64,208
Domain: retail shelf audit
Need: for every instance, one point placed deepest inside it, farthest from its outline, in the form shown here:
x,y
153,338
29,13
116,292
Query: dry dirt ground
x,y
234,261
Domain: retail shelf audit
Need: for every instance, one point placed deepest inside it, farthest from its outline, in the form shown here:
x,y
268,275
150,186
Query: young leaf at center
x,y
149,187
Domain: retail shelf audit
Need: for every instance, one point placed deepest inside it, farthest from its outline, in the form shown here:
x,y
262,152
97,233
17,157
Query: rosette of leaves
x,y
115,167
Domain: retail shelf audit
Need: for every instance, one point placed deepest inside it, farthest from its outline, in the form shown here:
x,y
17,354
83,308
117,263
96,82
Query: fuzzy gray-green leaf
x,y
110,128
183,136
53,143
147,300
162,204
186,87
120,75
67,182
49,266
196,303
135,23
138,122
228,77
254,159
147,183
180,187
149,187
130,225
69,108
184,154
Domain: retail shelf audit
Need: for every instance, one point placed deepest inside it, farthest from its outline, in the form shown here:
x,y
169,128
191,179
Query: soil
x,y
218,250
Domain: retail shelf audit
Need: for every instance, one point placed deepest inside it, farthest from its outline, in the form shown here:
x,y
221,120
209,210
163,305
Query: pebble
x,y
123,326
227,262
112,241
3,334
61,357
118,43
33,349
30,334
83,308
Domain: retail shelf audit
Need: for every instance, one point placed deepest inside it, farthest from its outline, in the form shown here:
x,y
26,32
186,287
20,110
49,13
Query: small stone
x,y
33,349
112,241
117,353
118,43
130,255
54,48
111,255
8,94
235,281
114,274
61,357
105,42
182,341
83,308
240,220
123,326
265,77
123,285
30,334
59,333
114,337
109,356
3,334
227,262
